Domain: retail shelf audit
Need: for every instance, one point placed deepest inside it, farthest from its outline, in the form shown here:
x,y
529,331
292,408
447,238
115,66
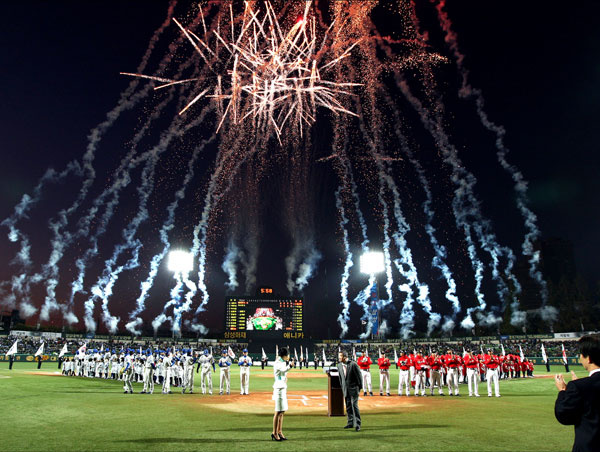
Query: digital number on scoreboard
x,y
264,315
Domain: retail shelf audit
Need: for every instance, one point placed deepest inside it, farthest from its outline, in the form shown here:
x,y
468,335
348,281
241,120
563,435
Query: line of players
x,y
165,368
450,369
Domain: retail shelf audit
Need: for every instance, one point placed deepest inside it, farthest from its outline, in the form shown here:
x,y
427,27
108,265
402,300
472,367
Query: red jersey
x,y
364,362
452,361
383,363
419,363
471,362
491,361
404,362
435,363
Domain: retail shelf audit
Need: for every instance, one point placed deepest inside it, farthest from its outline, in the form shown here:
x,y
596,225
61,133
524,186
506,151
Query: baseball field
x,y
44,411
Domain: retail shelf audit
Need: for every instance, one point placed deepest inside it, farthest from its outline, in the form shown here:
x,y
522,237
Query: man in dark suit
x,y
351,380
578,403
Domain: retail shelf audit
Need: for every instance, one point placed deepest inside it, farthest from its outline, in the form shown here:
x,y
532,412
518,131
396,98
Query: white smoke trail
x,y
467,91
110,274
465,206
232,255
439,260
135,322
61,240
228,162
307,268
344,316
25,205
250,261
121,180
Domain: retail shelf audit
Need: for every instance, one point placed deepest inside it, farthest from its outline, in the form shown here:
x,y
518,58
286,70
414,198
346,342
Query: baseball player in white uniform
x,y
245,363
206,363
224,374
188,372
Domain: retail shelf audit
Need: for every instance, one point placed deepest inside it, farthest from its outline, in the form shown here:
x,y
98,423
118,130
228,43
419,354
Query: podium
x,y
335,395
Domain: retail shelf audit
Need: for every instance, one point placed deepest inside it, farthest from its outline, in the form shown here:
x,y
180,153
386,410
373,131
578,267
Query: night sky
x,y
536,64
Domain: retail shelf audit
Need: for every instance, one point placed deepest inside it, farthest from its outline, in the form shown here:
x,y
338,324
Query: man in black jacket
x,y
578,403
351,380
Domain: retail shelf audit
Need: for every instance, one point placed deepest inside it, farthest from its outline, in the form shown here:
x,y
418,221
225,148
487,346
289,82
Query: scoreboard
x,y
264,315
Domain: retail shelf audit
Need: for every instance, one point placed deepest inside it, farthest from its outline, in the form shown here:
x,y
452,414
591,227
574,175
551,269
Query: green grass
x,y
54,413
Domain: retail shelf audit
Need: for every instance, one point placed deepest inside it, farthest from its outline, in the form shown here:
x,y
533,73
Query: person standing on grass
x,y
384,374
351,380
224,373
578,403
492,362
245,363
280,369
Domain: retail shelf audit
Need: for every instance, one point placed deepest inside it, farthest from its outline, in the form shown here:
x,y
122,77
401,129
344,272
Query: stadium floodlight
x,y
181,262
372,263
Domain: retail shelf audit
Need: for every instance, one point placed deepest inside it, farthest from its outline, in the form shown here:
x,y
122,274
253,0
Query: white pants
x,y
167,382
404,381
188,378
127,375
492,376
224,379
452,380
473,381
420,382
244,380
366,381
384,377
206,380
148,380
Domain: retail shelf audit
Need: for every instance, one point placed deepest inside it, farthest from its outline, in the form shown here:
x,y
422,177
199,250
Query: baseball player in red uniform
x,y
453,363
384,374
436,365
364,362
492,362
404,363
420,368
472,363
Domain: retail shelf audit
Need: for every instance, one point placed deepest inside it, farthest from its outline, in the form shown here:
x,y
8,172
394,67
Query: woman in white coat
x,y
280,369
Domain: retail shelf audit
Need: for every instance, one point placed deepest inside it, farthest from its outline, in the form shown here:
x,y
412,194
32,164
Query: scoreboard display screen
x,y
264,316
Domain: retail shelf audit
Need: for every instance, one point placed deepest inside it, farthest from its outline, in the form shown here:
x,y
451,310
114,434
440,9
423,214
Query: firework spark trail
x,y
406,259
344,316
439,260
20,285
520,187
226,166
61,240
277,74
404,264
465,205
121,180
178,307
135,321
362,299
147,177
111,274
26,203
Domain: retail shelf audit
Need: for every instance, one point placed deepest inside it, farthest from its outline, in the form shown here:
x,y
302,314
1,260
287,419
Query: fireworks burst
x,y
273,78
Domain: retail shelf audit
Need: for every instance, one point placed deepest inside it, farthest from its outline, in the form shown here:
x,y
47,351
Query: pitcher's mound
x,y
305,401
